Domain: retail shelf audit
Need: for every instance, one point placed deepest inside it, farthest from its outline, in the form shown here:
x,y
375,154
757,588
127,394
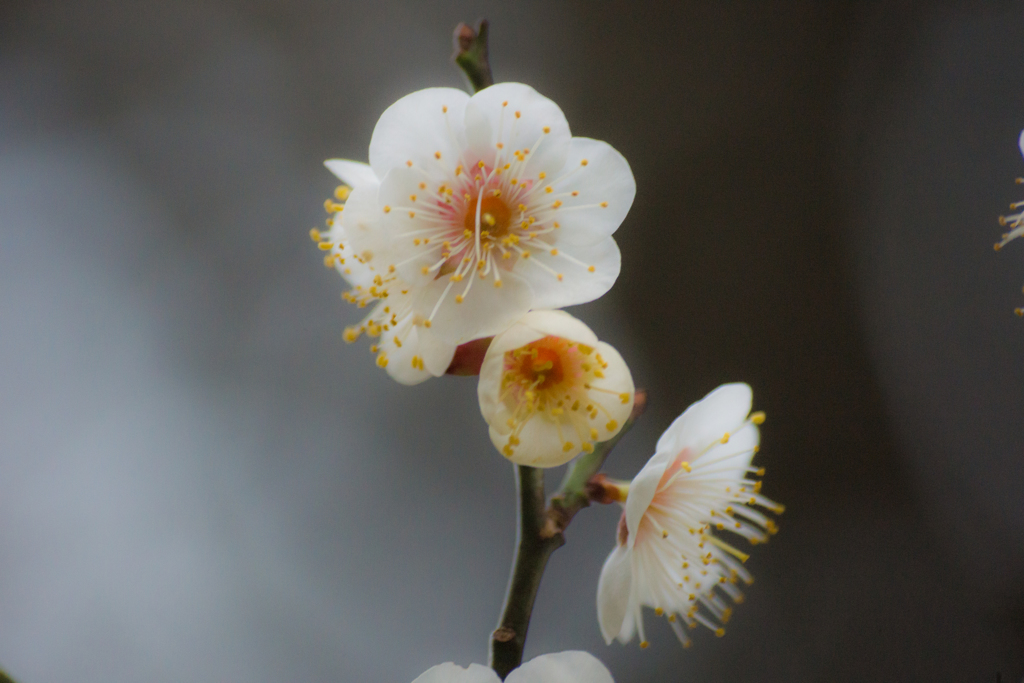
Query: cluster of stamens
x,y
676,526
1016,224
486,217
383,317
553,378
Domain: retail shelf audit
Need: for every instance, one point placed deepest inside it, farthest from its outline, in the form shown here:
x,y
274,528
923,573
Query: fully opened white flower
x,y
572,666
668,554
1014,221
491,208
550,390
406,348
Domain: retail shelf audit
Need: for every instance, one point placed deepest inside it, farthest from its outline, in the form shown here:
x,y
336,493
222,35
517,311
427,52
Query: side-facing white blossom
x,y
405,345
668,554
1015,221
550,390
489,207
572,666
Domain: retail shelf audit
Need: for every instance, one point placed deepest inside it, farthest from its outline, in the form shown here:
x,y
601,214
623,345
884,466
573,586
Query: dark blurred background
x,y
200,481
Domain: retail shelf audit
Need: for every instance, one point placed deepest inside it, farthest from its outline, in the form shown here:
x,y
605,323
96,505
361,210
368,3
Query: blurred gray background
x,y
200,481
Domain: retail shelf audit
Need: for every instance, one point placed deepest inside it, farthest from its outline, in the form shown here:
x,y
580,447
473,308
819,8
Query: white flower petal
x,y
642,490
557,324
540,444
486,310
491,118
451,673
416,128
361,220
613,589
573,666
352,173
578,285
1020,142
402,365
605,187
708,420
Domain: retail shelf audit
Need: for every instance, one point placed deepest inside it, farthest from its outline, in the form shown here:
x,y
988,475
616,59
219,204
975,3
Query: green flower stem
x,y
471,54
541,531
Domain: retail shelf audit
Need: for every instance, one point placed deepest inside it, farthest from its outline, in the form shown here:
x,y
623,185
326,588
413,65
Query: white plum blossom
x,y
550,390
668,554
572,666
487,207
1015,222
406,347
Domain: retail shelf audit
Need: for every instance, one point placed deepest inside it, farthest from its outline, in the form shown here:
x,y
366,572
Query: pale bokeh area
x,y
199,480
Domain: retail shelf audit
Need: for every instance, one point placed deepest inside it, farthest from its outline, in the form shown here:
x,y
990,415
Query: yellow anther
x,y
456,277
501,145
720,632
604,205
480,164
575,193
505,103
584,162
547,129
497,283
382,360
518,114
624,397
757,418
612,425
542,175
644,645
458,298
342,192
351,334
458,170
444,109
387,209
559,276
425,270
664,534
525,254
409,163
587,447
567,446
558,203
591,269
427,323
725,438
314,234
549,189
325,246
437,155
658,611
329,261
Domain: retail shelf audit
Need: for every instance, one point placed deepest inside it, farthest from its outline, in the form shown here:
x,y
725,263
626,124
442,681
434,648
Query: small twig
x,y
471,54
541,532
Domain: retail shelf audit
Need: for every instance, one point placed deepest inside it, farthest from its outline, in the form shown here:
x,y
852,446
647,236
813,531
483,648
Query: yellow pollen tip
x,y
409,163
427,323
644,645
558,203
725,438
624,397
459,299
591,269
382,360
612,425
314,234
424,270
444,109
604,205
497,283
437,155
387,209
567,446
342,192
658,611
547,129
1019,312
325,246
757,418
480,164
542,175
